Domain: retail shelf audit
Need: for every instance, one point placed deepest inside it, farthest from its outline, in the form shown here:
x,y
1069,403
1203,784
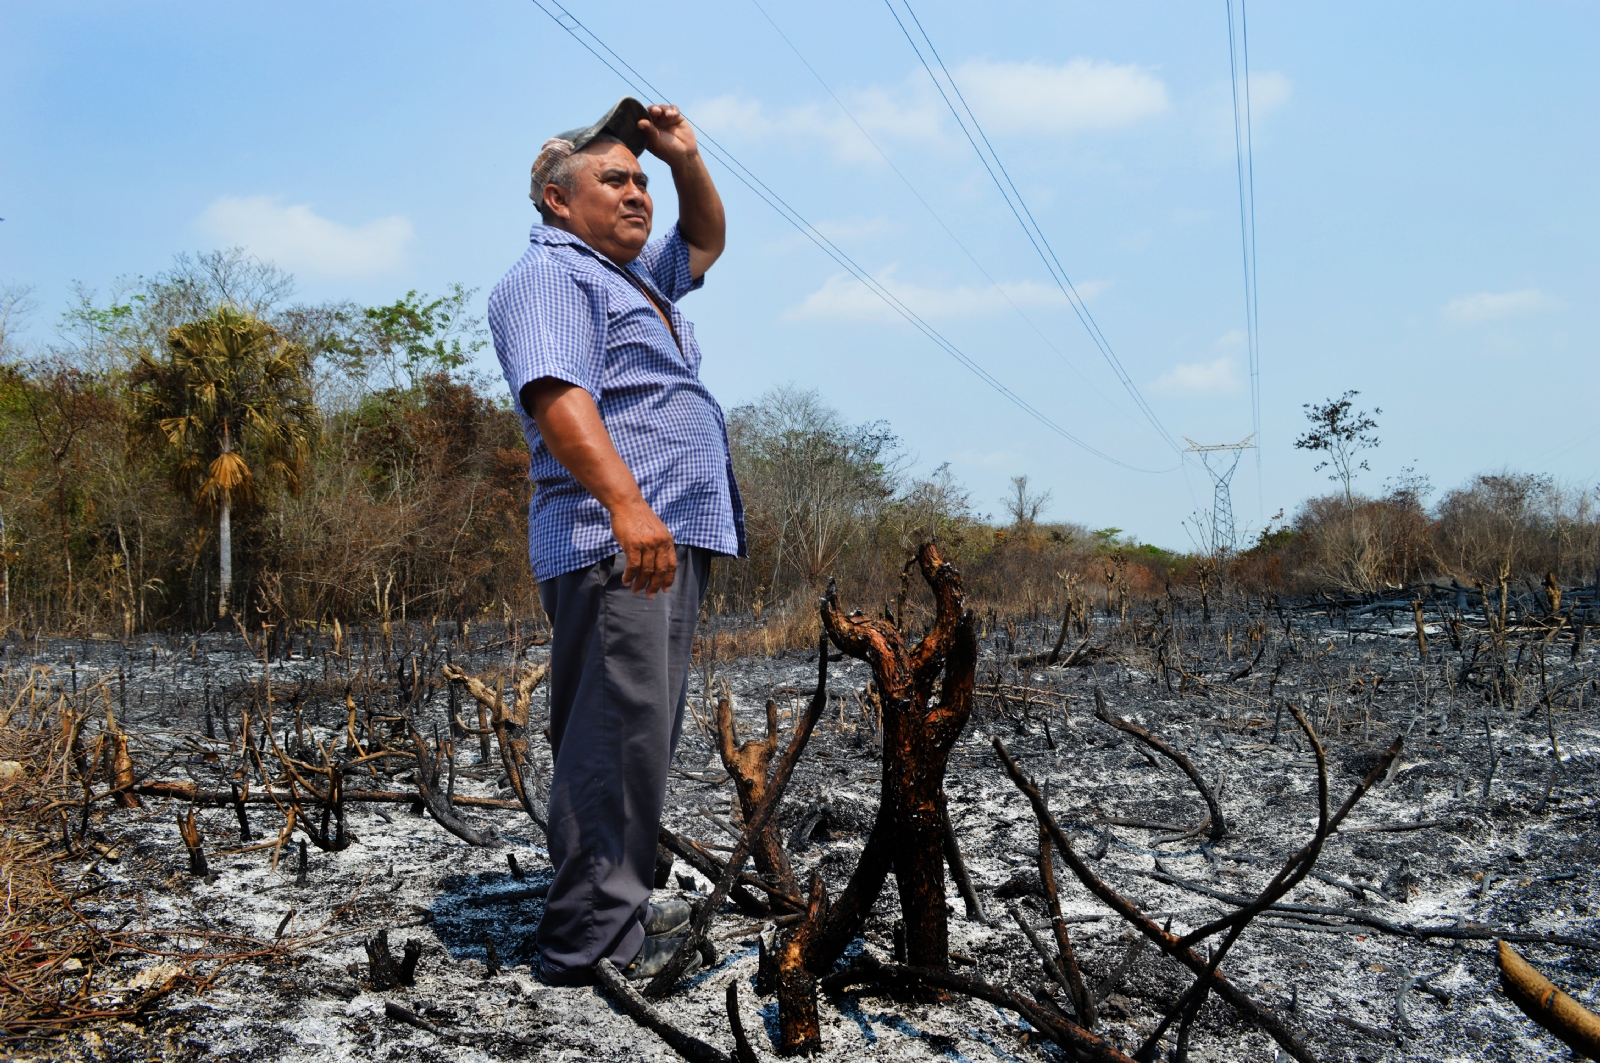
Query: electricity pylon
x,y
1222,529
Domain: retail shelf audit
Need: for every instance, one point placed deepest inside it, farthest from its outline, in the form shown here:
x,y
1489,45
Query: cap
x,y
622,122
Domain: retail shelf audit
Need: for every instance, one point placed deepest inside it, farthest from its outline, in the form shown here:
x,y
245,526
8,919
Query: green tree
x,y
406,341
1340,431
231,401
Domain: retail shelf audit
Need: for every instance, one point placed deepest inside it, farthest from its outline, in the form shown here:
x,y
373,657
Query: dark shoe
x,y
667,917
654,956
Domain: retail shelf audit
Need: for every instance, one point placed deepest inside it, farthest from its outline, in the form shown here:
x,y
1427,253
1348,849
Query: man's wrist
x,y
620,506
685,160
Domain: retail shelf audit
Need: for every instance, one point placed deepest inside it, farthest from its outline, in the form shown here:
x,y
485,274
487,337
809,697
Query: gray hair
x,y
558,164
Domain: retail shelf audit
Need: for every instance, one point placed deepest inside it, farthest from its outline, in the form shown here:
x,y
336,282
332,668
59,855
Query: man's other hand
x,y
648,549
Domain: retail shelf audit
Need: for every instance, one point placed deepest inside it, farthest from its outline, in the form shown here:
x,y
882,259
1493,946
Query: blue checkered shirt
x,y
566,311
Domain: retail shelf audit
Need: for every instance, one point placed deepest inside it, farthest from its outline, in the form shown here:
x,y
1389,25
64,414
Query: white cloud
x,y
733,113
1201,378
1269,90
1008,97
843,298
903,116
1486,306
1083,94
298,239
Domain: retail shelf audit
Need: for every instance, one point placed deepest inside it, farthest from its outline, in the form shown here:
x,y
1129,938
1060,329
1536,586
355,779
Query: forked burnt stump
x,y
926,694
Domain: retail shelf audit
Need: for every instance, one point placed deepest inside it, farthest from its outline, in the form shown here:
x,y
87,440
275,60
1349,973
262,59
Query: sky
x,y
1427,228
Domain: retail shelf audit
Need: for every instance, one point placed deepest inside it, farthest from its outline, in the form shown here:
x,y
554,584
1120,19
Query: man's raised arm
x,y
701,220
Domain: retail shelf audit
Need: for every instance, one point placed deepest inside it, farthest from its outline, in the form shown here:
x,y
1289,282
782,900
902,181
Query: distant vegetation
x,y
198,447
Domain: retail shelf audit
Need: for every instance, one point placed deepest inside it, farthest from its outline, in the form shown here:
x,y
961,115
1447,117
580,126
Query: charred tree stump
x,y
386,972
749,765
908,836
191,842
695,940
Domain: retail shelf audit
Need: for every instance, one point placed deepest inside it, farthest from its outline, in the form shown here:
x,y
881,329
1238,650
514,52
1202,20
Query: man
x,y
634,494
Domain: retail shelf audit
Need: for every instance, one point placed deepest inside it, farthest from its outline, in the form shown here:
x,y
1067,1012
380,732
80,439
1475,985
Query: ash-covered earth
x,y
1438,843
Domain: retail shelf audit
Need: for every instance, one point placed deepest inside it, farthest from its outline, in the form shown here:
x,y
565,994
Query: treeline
x,y
200,448
364,474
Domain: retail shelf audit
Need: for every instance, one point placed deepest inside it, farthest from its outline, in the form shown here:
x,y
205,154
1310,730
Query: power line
x,y
1019,209
931,212
1244,154
641,85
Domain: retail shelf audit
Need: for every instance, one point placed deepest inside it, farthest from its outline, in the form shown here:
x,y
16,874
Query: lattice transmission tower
x,y
1223,533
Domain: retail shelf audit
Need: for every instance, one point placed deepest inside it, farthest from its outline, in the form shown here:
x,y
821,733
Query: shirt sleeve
x,y
666,262
547,322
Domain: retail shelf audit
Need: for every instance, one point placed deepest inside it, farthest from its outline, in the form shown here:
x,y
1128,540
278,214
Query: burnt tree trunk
x,y
917,738
908,835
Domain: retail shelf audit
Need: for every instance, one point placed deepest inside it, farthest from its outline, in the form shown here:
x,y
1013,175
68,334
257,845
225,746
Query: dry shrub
x,y
1365,544
794,626
46,950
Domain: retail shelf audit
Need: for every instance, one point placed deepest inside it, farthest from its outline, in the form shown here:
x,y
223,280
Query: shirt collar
x,y
550,236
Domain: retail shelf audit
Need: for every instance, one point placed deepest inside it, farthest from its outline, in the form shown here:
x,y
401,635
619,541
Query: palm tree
x,y
232,401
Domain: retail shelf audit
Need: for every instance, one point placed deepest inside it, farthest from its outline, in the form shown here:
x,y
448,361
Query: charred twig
x,y
691,853
1259,1014
640,1011
438,804
742,1052
1051,967
1076,1041
1213,806
1405,930
1081,1002
1292,873
510,726
663,982
958,871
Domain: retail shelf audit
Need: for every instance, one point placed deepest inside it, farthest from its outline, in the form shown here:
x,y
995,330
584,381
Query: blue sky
x,y
1428,229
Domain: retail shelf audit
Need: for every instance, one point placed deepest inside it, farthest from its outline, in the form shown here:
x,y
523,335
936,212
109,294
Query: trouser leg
x,y
619,674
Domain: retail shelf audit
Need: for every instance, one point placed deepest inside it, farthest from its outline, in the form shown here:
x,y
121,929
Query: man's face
x,y
609,208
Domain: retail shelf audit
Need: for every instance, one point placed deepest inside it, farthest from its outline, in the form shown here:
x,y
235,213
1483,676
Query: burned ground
x,y
1482,827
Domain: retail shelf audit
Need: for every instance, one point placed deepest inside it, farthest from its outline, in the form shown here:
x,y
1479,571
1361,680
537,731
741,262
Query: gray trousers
x,y
619,679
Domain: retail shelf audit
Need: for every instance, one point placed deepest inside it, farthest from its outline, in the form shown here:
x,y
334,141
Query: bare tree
x,y
1024,506
816,477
